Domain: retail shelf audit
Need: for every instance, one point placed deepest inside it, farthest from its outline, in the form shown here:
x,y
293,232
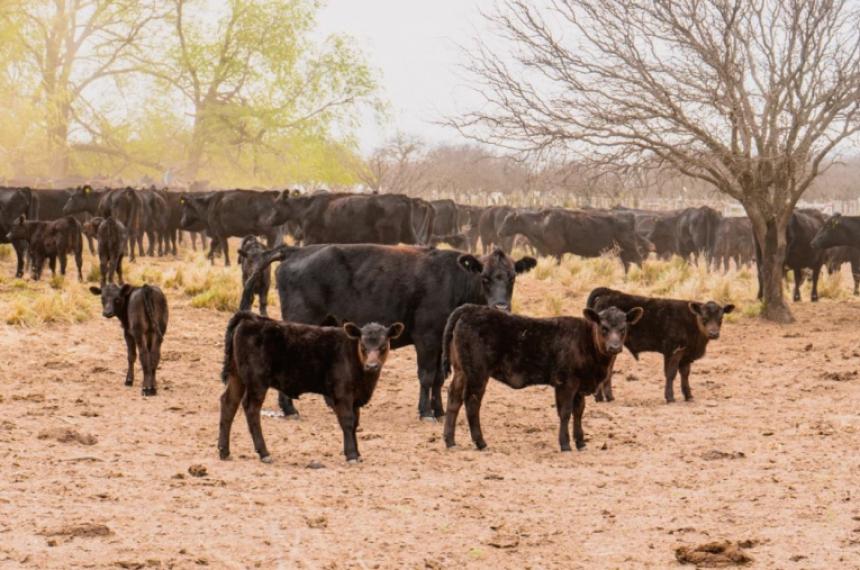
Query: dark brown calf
x,y
341,364
112,237
679,330
50,240
573,355
143,313
253,257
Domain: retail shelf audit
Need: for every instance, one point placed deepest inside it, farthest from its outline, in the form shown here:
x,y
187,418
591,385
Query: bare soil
x,y
93,475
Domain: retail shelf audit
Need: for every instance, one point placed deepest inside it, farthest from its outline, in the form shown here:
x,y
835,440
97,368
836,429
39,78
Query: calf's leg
x,y
230,400
564,406
143,349
455,401
473,410
816,273
670,368
132,356
287,406
685,380
798,281
253,403
578,409
345,412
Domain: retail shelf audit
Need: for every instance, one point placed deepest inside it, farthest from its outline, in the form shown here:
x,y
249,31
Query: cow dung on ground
x,y
715,554
68,435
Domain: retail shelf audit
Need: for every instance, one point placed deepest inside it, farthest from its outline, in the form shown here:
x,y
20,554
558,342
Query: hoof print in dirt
x,y
716,554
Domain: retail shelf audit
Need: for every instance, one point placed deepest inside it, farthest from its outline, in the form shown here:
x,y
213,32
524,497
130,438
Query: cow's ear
x,y
470,263
728,309
125,291
96,291
352,330
395,330
695,308
634,314
591,315
525,264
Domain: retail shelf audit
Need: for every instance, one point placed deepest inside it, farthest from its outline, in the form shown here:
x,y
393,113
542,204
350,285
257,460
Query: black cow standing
x,y
800,253
49,241
252,256
417,286
841,234
112,237
143,313
15,202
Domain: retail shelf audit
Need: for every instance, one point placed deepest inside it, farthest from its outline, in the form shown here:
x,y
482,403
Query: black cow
x,y
417,286
841,254
252,255
121,204
489,224
14,203
446,220
457,241
50,208
154,214
838,230
697,232
570,354
49,241
112,237
353,218
679,330
799,252
588,234
734,242
233,213
340,363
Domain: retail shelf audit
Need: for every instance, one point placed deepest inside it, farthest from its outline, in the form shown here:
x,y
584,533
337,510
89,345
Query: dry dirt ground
x,y
92,475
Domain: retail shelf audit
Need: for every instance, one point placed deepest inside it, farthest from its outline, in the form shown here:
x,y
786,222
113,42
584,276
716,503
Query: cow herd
x,y
364,278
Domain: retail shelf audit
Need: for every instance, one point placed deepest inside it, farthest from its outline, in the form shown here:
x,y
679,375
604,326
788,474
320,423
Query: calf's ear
x,y
695,308
525,264
125,291
95,290
352,330
591,315
470,263
634,314
395,330
728,309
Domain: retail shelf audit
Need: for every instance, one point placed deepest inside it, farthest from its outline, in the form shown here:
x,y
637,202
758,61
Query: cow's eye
x,y
604,330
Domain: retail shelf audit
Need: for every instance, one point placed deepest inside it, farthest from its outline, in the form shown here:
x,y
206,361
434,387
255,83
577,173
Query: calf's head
x,y
709,317
609,327
373,342
249,246
114,298
18,231
498,273
91,226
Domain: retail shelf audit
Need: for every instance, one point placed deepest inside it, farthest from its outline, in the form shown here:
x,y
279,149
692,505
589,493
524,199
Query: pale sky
x,y
414,45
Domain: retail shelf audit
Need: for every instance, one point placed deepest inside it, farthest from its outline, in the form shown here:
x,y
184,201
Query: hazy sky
x,y
414,45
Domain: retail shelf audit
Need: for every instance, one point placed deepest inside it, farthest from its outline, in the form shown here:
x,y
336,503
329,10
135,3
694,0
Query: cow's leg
x,y
119,268
130,245
91,245
150,237
287,406
155,359
473,411
64,261
263,302
145,355
816,273
79,261
428,364
670,368
564,406
105,271
132,356
798,281
253,403
578,409
685,380
20,254
455,400
345,412
230,400
52,263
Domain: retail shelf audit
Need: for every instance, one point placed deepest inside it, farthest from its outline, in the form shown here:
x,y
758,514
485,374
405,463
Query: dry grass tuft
x,y
30,304
5,251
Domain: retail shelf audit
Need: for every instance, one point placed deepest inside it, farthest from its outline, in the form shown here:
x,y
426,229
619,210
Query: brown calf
x,y
49,240
340,363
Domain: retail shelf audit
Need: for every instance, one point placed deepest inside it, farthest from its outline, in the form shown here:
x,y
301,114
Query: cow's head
x,y
498,273
609,327
512,225
833,233
373,342
18,230
709,317
249,246
114,298
193,211
80,200
283,209
91,226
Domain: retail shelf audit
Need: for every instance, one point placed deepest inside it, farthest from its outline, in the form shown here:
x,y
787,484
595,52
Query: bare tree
x,y
751,96
398,166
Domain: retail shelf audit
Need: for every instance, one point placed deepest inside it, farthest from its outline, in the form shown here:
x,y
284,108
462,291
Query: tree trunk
x,y
770,255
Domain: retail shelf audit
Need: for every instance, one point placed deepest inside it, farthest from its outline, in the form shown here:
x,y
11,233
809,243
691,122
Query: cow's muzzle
x,y
502,307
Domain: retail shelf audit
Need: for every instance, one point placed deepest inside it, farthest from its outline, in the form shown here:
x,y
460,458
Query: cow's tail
x,y
235,321
148,307
77,241
448,337
594,295
264,261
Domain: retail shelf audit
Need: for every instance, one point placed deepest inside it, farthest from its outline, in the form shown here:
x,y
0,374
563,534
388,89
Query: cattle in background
x,y
838,230
555,232
697,232
386,219
470,218
489,224
457,241
49,241
121,204
112,237
232,213
417,286
143,314
252,256
679,330
734,242
14,203
342,364
841,254
153,220
572,355
446,219
657,228
50,207
172,236
799,252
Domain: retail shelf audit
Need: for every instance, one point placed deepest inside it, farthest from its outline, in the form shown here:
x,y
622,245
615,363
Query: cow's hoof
x,y
670,400
481,445
815,299
224,455
129,382
429,419
580,445
610,398
354,461
149,391
565,448
294,417
688,398
266,459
